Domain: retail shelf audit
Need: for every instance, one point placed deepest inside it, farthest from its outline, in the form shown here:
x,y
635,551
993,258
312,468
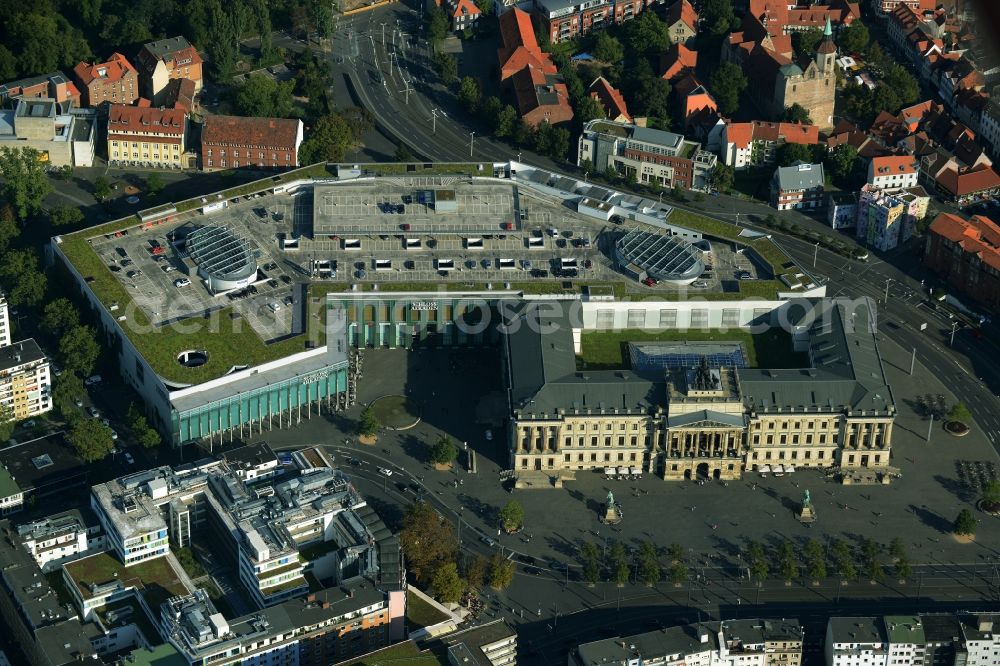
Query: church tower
x,y
826,52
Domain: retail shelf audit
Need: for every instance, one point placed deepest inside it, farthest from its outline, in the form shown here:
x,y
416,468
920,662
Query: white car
x,y
129,459
93,412
168,268
78,402
274,306
114,435
105,421
489,435
385,471
182,282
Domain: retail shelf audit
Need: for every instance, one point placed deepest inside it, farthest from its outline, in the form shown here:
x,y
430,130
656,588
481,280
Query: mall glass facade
x,y
409,322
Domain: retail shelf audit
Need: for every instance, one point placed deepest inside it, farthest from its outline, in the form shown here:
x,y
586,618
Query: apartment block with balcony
x,y
856,641
25,383
798,186
491,644
966,254
164,60
60,537
146,136
651,155
565,19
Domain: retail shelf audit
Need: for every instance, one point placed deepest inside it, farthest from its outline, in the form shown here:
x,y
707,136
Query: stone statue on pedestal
x,y
612,514
808,512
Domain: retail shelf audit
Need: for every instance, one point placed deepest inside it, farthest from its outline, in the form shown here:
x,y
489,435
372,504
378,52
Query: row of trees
x,y
619,564
432,556
788,562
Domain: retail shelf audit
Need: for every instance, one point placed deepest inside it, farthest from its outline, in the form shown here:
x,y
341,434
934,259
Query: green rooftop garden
x,y
419,613
400,654
608,350
154,579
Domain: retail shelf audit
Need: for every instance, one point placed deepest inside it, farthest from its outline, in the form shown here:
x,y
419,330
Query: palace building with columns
x,y
836,413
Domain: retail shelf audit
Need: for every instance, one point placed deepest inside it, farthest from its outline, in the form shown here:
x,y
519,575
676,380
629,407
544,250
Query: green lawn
x,y
608,350
402,654
419,613
154,578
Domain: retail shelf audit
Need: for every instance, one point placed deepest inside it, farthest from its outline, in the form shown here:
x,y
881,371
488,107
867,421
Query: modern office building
x,y
652,156
753,642
490,644
886,218
62,138
62,537
698,422
276,529
798,186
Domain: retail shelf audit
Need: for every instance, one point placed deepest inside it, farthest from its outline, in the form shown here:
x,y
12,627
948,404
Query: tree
x,y
102,189
262,96
321,17
789,565
403,153
154,185
902,569
718,17
649,566
759,568
140,429
675,552
903,85
965,524
368,424
485,6
24,182
9,228
790,153
721,178
651,97
7,423
21,277
59,316
469,93
727,84
444,451
475,571
646,35
91,439
65,216
79,350
841,162
611,174
591,569
447,67
447,584
815,559
897,549
330,140
588,109
841,554
677,193
507,121
428,541
437,26
796,113
959,413
68,388
607,48
501,572
512,516
804,42
853,38
873,564
991,495
678,573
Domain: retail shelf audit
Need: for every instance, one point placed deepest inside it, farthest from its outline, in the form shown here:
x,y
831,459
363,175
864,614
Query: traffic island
x,y
991,508
395,412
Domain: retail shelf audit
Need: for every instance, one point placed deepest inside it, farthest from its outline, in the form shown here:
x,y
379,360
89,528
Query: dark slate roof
x,y
708,419
543,372
669,641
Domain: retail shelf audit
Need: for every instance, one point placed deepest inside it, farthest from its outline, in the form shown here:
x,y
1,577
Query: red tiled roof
x,y
171,140
893,164
468,5
610,98
529,82
171,51
115,68
682,11
520,48
272,133
961,183
740,134
122,118
979,235
676,60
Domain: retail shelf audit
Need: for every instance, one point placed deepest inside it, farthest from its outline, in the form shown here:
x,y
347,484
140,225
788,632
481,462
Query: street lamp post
x,y
954,326
815,254
472,140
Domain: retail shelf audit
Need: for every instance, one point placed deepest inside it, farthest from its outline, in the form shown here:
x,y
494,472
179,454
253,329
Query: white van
x,y
93,379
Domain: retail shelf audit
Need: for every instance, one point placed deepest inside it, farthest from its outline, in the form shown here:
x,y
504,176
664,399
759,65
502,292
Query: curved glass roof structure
x,y
666,258
221,254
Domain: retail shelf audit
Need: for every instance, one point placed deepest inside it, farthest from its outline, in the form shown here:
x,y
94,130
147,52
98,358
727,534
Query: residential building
x,y
263,143
540,97
11,495
756,143
682,22
652,155
761,642
63,139
981,644
798,186
519,46
269,525
677,61
25,386
61,537
147,136
490,644
115,81
165,59
907,643
886,218
784,17
611,100
886,7
966,185
842,210
856,641
707,421
326,627
694,100
989,127
893,172
463,14
564,19
777,80
55,86
966,254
